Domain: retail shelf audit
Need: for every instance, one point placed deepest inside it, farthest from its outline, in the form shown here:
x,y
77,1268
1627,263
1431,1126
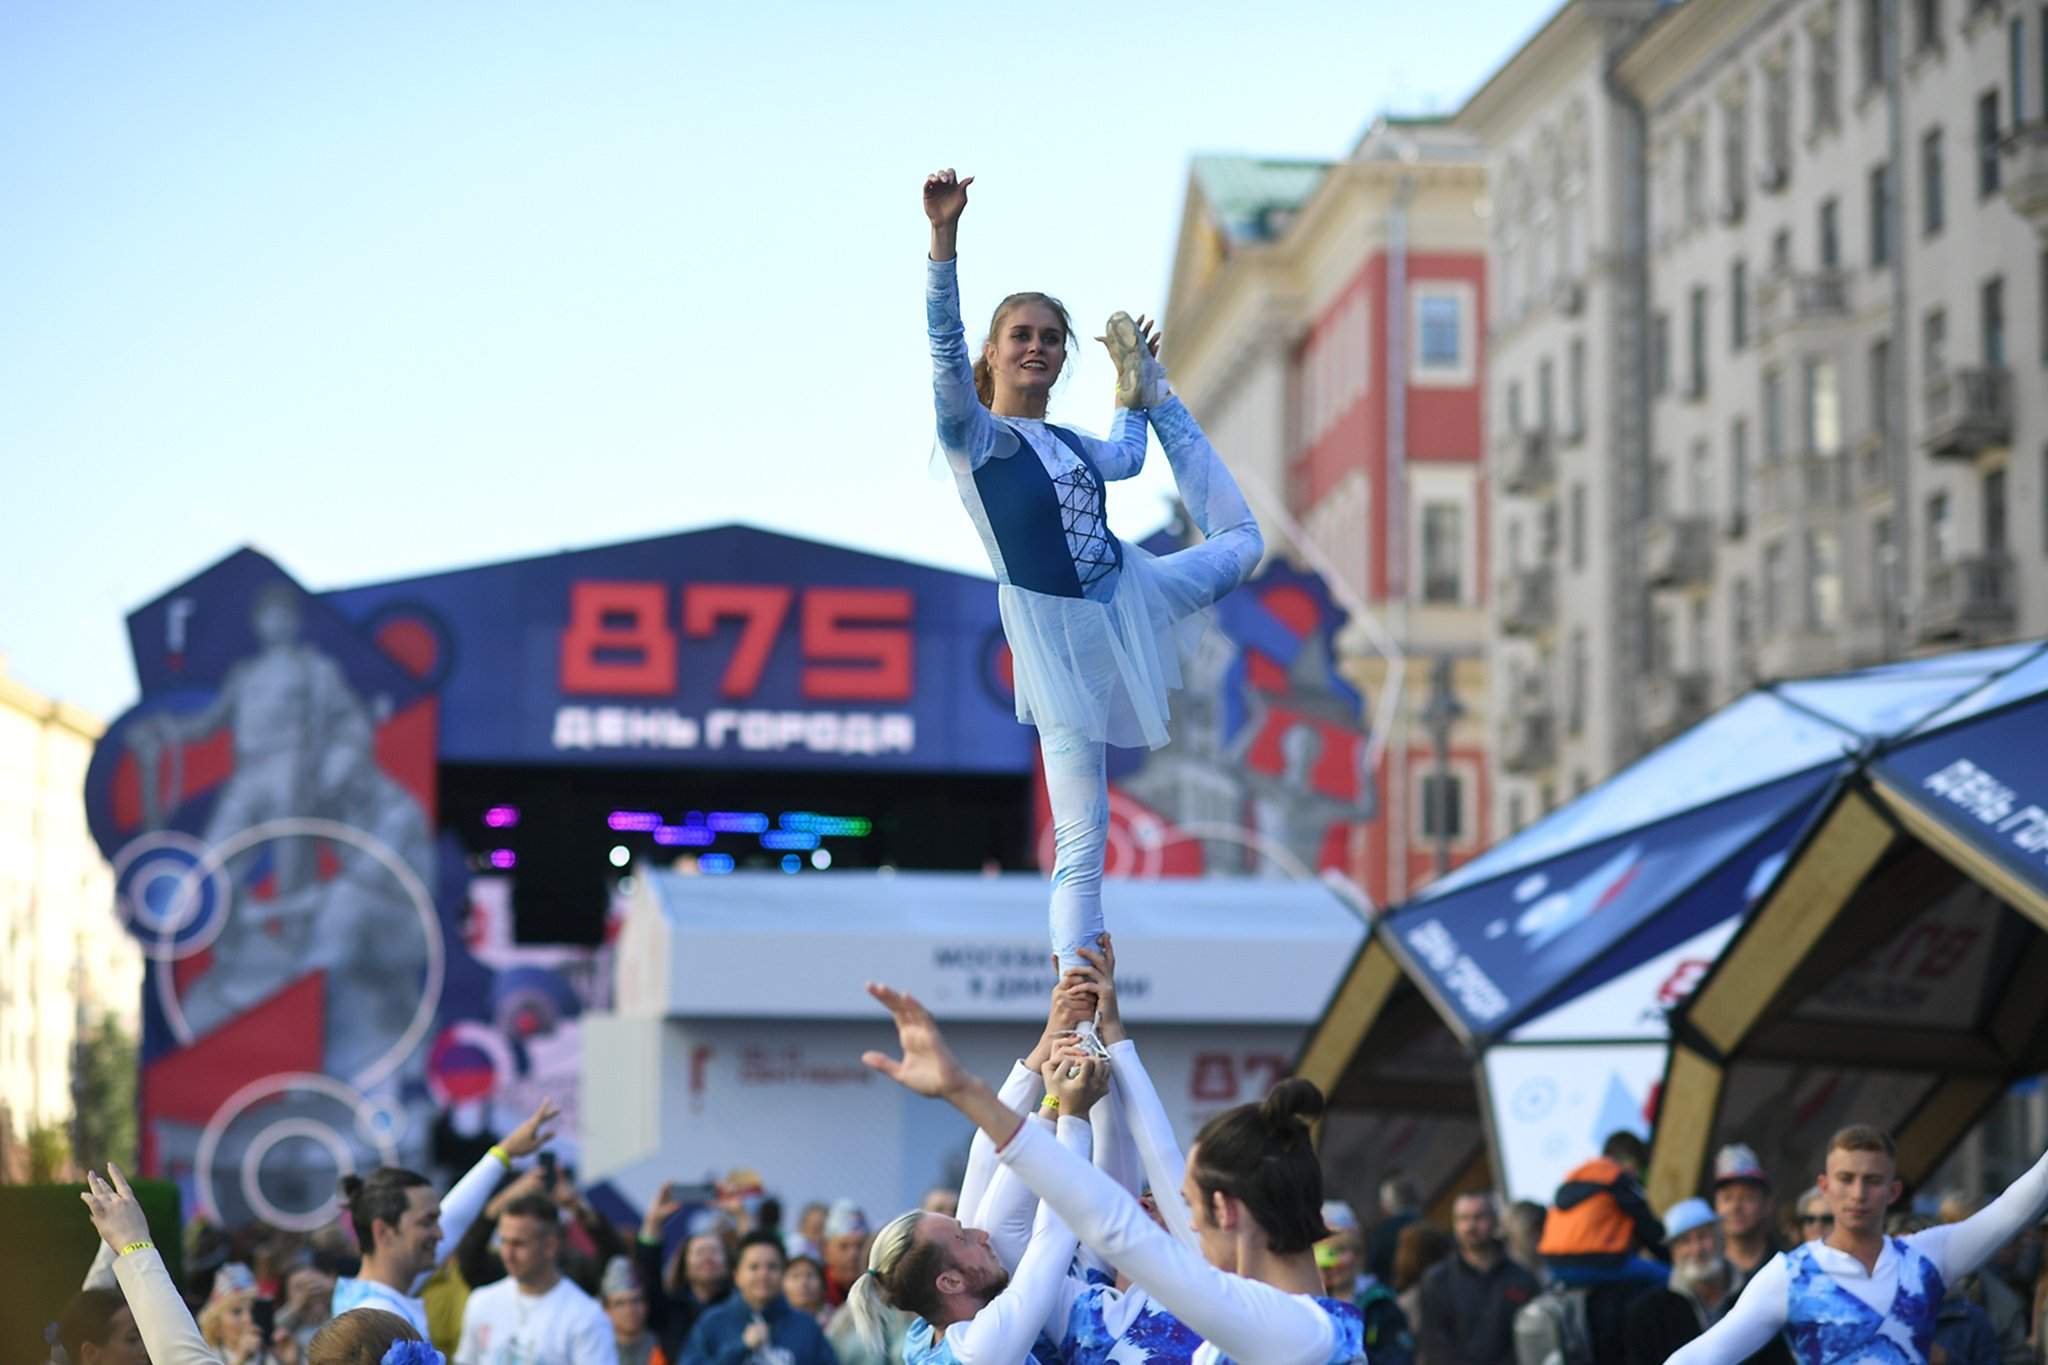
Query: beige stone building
x,y
1325,321
64,958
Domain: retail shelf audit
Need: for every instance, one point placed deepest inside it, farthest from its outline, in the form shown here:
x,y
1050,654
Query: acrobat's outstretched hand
x,y
927,1067
945,197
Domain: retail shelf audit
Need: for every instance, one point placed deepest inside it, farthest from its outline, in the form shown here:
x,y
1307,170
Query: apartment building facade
x,y
1326,323
65,959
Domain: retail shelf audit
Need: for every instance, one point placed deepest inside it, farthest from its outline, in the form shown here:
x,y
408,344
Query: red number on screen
x,y
762,609
840,625
617,641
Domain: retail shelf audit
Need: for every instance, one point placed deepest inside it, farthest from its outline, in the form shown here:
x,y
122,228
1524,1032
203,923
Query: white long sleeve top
x,y
168,1332
1249,1322
1040,1293
1955,1249
460,1208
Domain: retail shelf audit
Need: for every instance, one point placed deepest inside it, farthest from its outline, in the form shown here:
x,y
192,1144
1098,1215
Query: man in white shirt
x,y
1857,1295
533,1316
405,1229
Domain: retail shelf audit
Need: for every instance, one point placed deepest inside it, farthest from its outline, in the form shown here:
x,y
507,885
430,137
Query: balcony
x,y
1678,552
1801,651
1528,742
2025,177
1528,601
1971,600
1794,299
1969,410
1811,482
1672,701
1526,464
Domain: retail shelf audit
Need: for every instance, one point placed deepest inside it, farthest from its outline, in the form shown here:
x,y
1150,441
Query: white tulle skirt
x,y
1106,668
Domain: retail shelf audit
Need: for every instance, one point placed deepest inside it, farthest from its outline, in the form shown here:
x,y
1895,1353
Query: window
x,y
1546,403
1443,334
1934,343
1777,123
1696,327
1443,553
1443,807
1738,305
1880,385
1734,159
1992,315
1693,166
1577,528
1581,672
1926,24
1697,647
1774,416
1742,618
1781,251
1830,233
1823,580
1575,387
1987,144
1881,216
1549,526
2042,299
1738,476
1823,407
1775,583
1940,535
1515,406
1517,812
1881,563
2016,59
1659,492
1660,353
1994,512
1826,72
1699,480
1661,647
1870,42
1931,188
1515,560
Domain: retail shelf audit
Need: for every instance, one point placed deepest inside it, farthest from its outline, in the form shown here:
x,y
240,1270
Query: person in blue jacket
x,y
757,1325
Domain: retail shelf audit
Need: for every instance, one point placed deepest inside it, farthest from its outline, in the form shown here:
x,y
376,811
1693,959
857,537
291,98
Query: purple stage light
x,y
501,817
738,821
503,858
684,836
634,821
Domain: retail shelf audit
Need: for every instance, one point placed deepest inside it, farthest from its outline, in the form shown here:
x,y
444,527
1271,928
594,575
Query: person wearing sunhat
x,y
1743,1203
1701,1288
625,1303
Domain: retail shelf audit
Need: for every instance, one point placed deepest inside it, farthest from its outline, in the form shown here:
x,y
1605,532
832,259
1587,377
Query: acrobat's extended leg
x,y
1233,544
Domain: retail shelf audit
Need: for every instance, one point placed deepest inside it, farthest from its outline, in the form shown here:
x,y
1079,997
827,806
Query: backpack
x,y
1388,1337
1551,1329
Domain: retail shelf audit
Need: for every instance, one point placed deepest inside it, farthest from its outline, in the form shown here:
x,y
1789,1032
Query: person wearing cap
x,y
1701,1288
625,1303
846,1249
228,1322
1470,1298
1743,1203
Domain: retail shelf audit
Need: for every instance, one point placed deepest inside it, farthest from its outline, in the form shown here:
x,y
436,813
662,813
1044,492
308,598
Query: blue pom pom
x,y
413,1353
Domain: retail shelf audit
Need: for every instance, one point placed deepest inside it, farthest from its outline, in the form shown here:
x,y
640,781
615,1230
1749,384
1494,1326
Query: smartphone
x,y
264,1314
547,1167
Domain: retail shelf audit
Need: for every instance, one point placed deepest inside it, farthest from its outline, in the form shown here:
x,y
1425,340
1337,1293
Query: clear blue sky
x,y
386,287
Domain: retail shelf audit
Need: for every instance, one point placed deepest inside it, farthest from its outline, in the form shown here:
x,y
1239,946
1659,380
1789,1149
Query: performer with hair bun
x,y
1096,627
1253,1186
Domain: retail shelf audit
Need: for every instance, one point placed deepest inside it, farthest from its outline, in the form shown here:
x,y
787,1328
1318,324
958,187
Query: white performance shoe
x,y
1140,378
1091,1042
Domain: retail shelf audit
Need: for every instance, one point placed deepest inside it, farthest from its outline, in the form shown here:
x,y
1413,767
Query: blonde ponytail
x,y
881,1291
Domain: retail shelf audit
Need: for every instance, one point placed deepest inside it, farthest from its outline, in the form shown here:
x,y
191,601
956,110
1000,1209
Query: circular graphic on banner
x,y
414,636
470,1061
166,889
215,860
1534,1100
348,1128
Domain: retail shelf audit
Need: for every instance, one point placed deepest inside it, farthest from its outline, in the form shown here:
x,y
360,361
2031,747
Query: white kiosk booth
x,y
741,1015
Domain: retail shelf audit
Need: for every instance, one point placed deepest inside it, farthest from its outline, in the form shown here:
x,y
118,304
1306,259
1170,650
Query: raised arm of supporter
x,y
1748,1327
168,1332
647,1254
1071,1002
1959,1248
100,1274
1009,1211
1159,1153
1241,1317
461,1205
1003,1332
